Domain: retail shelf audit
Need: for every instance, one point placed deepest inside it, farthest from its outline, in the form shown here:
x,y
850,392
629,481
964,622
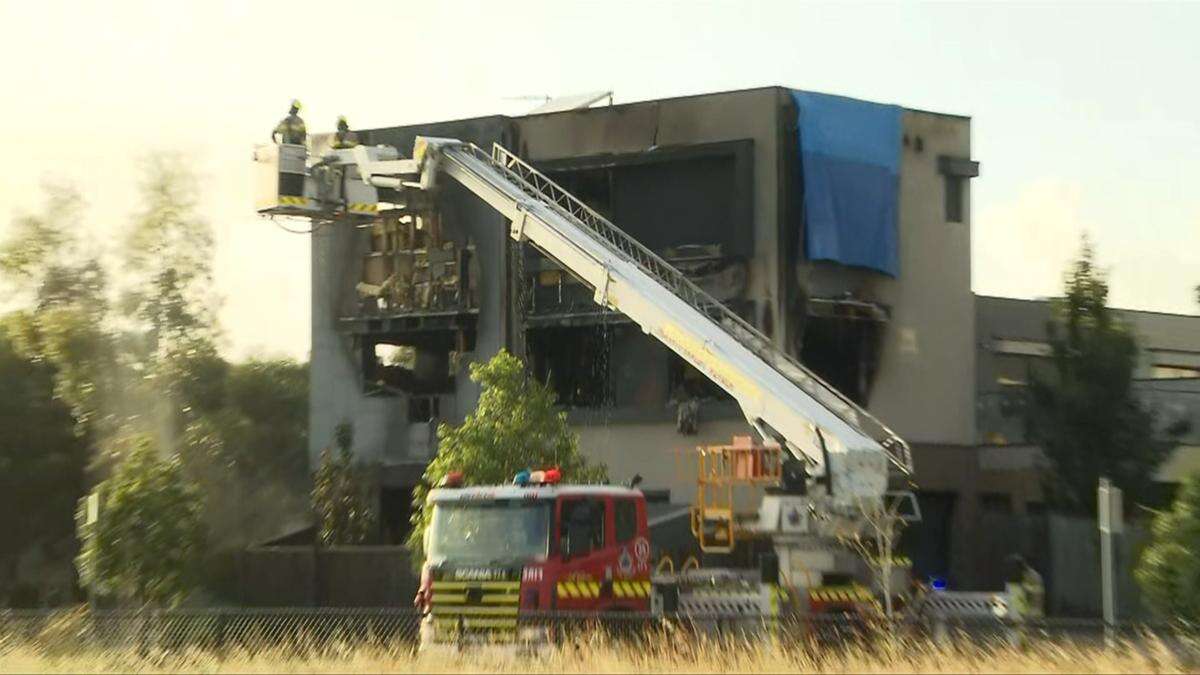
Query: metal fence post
x,y
1109,509
941,631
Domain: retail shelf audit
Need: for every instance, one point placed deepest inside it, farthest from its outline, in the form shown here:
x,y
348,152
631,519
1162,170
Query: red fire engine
x,y
495,552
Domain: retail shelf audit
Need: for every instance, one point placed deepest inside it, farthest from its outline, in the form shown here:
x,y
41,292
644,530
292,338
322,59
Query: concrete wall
x,y
925,385
625,439
656,451
642,127
926,381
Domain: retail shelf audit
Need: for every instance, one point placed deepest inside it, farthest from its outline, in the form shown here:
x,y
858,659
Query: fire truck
x,y
818,464
499,558
496,552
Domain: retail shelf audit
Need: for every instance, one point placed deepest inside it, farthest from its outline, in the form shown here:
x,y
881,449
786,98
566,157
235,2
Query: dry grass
x,y
887,655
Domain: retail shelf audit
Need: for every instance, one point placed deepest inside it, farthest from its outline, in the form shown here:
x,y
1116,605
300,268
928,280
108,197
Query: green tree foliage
x,y
1086,416
131,350
515,426
148,542
166,299
246,444
342,496
41,464
37,242
61,288
242,428
1169,569
259,411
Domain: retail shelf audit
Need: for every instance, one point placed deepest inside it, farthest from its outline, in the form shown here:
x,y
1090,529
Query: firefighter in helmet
x,y
290,129
344,138
1026,589
1026,599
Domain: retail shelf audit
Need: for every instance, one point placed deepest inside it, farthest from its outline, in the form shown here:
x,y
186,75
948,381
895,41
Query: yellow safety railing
x,y
722,471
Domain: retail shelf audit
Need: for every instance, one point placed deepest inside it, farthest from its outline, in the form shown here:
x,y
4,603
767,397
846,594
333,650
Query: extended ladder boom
x,y
781,398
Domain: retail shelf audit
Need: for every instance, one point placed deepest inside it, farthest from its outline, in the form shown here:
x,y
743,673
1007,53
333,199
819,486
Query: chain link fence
x,y
325,630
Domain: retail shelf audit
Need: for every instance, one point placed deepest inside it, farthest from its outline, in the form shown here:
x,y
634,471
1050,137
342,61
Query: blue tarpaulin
x,y
850,159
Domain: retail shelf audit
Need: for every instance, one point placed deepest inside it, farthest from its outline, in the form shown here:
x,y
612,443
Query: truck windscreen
x,y
489,532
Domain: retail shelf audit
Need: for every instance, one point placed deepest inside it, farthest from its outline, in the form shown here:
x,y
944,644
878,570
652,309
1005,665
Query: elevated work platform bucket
x,y
722,472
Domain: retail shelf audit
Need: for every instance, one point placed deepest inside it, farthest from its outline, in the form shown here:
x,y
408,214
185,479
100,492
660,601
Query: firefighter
x,y
290,129
1035,591
687,410
344,138
1026,596
1025,588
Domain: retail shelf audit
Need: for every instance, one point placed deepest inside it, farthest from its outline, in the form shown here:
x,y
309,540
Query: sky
x,y
1085,117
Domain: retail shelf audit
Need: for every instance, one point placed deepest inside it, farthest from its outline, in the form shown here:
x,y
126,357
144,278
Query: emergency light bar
x,y
526,477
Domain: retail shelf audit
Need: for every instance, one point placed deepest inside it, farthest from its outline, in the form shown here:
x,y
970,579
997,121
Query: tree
x,y
42,465
56,286
130,349
1168,570
246,446
873,535
39,242
166,297
341,495
61,289
515,426
1086,416
127,368
148,541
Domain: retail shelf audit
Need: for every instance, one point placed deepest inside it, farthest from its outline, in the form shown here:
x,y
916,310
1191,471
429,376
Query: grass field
x,y
886,655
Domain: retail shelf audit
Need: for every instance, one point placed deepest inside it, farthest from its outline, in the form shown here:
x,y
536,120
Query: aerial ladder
x,y
837,458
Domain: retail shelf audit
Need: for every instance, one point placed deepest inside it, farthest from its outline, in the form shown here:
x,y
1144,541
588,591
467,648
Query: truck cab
x,y
494,553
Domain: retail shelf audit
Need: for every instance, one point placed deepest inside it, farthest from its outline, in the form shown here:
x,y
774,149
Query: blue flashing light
x,y
937,583
522,478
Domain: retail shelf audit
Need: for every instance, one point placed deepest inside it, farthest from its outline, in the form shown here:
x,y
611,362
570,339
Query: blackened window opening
x,y
412,364
954,198
575,362
843,352
685,382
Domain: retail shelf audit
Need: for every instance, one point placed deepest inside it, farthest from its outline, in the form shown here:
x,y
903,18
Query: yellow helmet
x,y
342,121
296,103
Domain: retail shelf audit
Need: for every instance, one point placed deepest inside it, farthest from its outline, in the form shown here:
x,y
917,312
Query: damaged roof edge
x,y
458,120
630,104
774,87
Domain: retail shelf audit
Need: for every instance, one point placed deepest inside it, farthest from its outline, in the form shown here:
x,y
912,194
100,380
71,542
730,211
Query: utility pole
x,y
1109,510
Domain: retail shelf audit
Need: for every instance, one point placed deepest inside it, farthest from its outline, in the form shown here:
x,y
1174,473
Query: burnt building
x,y
734,190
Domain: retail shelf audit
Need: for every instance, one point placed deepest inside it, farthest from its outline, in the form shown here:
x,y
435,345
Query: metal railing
x,y
545,191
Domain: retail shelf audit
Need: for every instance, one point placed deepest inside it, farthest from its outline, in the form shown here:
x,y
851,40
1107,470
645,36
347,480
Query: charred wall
x,y
692,179
392,370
